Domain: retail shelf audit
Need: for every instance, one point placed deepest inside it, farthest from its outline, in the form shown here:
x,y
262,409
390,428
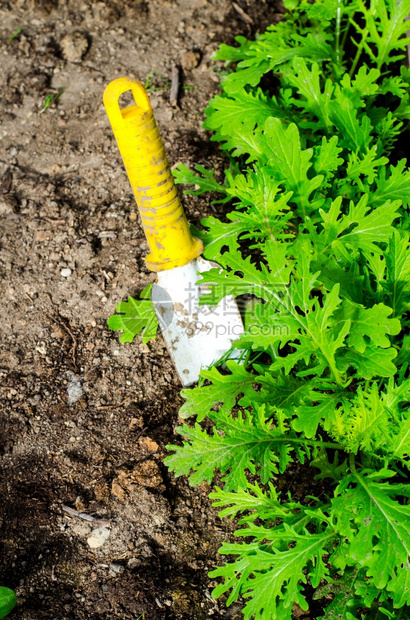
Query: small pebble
x,y
98,537
66,272
74,46
190,60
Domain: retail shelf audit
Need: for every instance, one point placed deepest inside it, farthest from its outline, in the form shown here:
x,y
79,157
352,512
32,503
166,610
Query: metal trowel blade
x,y
196,336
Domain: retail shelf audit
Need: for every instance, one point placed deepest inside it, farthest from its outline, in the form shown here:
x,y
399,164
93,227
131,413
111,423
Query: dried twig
x,y
173,97
246,18
86,517
114,405
59,321
6,182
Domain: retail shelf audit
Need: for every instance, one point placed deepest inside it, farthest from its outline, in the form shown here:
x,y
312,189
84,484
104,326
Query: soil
x,y
85,420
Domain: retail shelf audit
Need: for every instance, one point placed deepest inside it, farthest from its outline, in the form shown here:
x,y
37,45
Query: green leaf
x,y
397,285
387,25
8,601
317,407
219,235
135,317
358,231
368,325
273,49
205,183
345,605
364,82
376,526
290,163
255,502
395,185
271,577
365,165
307,83
267,209
225,389
226,114
335,470
326,158
365,422
395,85
246,443
374,362
343,113
228,53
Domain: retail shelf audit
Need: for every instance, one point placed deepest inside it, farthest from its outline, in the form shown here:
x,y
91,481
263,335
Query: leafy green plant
x,y
163,82
135,317
311,119
15,34
8,601
51,99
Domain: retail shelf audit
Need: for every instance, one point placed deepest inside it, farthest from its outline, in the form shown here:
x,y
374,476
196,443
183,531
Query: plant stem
x,y
352,462
358,53
346,32
338,22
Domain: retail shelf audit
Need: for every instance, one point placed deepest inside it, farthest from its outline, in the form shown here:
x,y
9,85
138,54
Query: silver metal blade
x,y
196,336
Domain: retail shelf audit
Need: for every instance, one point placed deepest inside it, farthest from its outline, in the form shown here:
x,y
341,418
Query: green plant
x,y
8,601
135,317
163,83
52,98
319,237
15,34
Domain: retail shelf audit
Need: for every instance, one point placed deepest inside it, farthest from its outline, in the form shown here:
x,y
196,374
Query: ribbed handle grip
x,y
145,161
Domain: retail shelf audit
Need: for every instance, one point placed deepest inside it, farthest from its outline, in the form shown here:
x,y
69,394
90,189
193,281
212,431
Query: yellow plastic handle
x,y
145,161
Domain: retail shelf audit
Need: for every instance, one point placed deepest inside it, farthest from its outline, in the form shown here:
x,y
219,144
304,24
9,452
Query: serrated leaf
x,y
290,163
368,325
266,205
359,230
255,502
387,25
373,362
346,605
205,181
225,389
269,577
365,165
334,470
377,528
326,158
397,285
365,422
219,236
8,601
307,83
246,443
317,407
273,49
135,317
395,85
392,186
225,114
354,129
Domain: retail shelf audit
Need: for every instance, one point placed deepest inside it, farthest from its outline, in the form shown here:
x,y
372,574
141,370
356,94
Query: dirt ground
x,y
84,420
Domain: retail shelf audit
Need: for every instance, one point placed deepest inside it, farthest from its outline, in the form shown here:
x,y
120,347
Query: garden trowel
x,y
196,336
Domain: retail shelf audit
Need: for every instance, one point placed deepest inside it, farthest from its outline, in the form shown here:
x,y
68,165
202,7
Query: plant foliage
x,y
135,317
8,601
311,118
